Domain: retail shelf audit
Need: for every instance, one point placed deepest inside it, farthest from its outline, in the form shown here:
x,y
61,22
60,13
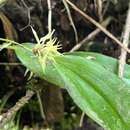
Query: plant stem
x,y
71,20
49,16
11,64
126,35
40,105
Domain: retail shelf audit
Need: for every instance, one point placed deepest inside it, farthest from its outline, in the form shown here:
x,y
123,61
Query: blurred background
x,y
60,111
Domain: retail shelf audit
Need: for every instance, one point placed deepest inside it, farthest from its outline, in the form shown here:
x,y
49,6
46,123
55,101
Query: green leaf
x,y
32,63
107,62
96,90
99,93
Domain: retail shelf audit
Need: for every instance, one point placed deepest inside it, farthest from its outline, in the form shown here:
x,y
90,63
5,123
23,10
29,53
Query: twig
x,y
40,105
49,16
105,8
4,118
98,25
126,35
10,64
71,20
99,4
29,17
82,119
91,35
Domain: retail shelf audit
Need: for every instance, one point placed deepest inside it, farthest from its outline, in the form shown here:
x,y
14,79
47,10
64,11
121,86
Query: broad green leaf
x,y
96,90
107,62
107,97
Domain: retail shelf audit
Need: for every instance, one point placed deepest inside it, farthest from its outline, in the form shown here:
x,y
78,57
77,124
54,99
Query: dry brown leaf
x,y
9,30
